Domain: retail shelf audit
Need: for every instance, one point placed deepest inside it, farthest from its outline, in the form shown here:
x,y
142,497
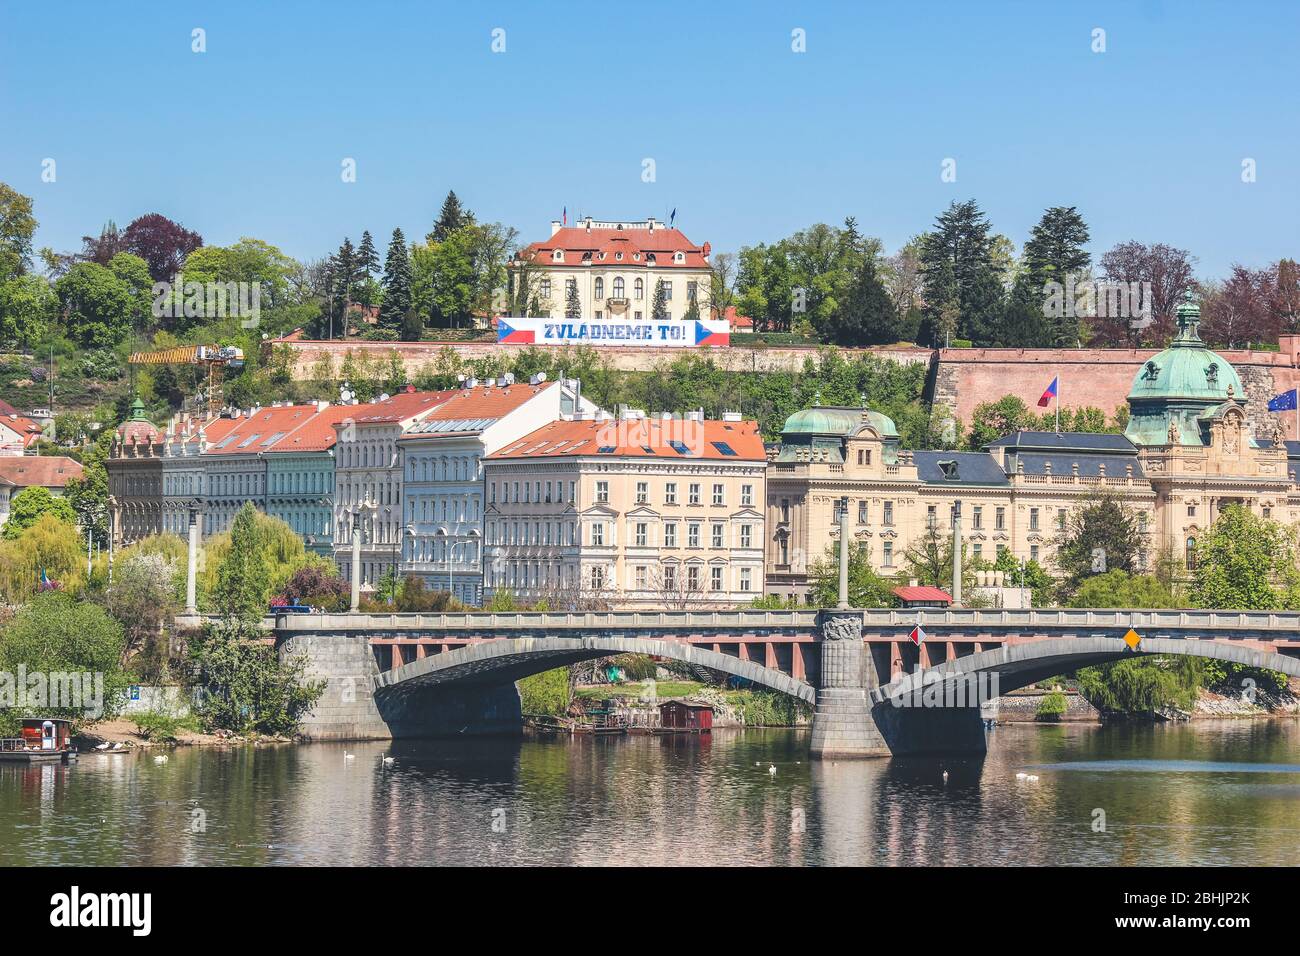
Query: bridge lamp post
x,y
956,554
844,554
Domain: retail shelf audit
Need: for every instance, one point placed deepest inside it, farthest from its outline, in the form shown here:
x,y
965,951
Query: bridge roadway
x,y
425,674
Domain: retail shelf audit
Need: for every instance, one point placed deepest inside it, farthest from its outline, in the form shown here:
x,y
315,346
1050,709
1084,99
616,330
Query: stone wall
x,y
1101,378
416,356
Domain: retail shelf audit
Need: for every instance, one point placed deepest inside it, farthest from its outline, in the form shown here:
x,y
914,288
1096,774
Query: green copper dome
x,y
1180,384
834,420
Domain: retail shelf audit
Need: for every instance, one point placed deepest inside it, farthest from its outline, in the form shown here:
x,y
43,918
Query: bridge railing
x,y
756,621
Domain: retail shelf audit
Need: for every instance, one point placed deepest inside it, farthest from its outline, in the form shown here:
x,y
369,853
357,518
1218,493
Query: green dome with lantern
x,y
818,433
1176,391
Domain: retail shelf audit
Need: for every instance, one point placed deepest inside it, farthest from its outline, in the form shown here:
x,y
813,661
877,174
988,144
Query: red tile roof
x,y
48,471
317,433
636,246
252,432
481,401
24,426
923,593
643,438
399,407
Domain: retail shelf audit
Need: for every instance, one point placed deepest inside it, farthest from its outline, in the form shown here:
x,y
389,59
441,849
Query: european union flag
x,y
1282,403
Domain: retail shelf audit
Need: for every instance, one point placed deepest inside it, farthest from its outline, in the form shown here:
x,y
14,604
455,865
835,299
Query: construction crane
x,y
216,358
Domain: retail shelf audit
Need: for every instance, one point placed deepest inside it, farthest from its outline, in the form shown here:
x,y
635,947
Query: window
x,y
638,288
691,288
1000,519
717,535
600,288
602,491
1033,552
618,287
889,554
715,579
864,456
1191,511
977,518
746,536
785,510
1268,513
1060,519
642,534
862,512
747,495
718,496
640,577
977,550
598,534
597,578
888,518
693,578
548,492
670,493
931,519
1033,519
693,535
745,579
544,289
783,547
642,492
668,290
670,577
694,493
670,535
1191,554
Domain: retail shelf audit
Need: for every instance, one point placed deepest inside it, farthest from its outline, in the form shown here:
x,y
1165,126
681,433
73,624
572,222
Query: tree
x,y
318,587
56,634
1055,253
962,284
1239,309
1103,522
97,306
1169,272
572,304
88,495
992,420
17,226
928,560
30,505
1121,589
396,284
867,316
659,305
866,587
1247,562
243,579
162,243
50,546
27,308
100,249
142,598
453,216
722,278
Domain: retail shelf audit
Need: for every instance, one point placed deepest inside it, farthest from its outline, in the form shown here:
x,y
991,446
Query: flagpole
x,y
1058,403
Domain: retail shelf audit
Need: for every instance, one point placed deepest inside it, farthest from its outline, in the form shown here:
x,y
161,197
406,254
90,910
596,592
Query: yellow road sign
x,y
1132,639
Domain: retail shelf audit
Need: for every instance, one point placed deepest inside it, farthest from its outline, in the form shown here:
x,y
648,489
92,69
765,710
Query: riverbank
x,y
128,734
1022,706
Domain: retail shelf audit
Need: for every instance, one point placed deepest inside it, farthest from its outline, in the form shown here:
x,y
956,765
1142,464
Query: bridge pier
x,y
842,725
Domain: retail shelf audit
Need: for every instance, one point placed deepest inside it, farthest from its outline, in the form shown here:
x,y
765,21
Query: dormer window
x,y
679,257
636,257
618,256
557,255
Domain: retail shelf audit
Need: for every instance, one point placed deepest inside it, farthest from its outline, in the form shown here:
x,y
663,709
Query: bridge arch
x,y
1019,665
506,660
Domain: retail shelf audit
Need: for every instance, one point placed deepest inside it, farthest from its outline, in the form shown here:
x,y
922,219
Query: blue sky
x,y
751,141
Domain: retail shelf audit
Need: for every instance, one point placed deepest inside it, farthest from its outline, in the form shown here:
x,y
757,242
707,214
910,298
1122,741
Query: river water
x,y
1212,792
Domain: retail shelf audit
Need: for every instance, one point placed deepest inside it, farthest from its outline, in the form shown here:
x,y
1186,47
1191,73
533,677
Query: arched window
x,y
600,288
618,287
1191,554
638,289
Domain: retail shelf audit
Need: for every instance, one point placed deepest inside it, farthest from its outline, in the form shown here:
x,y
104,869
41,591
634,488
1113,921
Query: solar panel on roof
x,y
273,439
679,447
606,449
249,440
647,449
723,447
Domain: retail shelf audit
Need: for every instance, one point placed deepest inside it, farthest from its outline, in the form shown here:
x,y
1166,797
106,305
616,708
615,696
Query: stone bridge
x,y
406,675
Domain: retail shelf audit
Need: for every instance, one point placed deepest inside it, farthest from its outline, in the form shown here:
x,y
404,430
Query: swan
x,y
160,759
771,770
945,776
104,746
1022,775
348,756
1032,778
388,761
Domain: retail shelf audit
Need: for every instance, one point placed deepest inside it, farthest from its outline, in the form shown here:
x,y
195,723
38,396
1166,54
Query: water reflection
x,y
1209,793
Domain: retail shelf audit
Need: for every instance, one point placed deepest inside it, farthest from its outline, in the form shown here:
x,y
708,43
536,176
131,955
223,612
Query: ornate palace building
x,y
1187,453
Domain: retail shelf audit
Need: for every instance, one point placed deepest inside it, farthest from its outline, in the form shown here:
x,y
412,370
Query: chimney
x,y
651,222
555,226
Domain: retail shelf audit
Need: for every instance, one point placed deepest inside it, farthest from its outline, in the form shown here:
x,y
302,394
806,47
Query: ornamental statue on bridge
x,y
1187,451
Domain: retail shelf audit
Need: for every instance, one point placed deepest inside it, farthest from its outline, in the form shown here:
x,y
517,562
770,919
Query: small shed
x,y
46,733
923,596
685,717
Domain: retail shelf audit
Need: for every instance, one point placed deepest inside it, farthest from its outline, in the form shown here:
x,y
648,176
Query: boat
x,y
43,740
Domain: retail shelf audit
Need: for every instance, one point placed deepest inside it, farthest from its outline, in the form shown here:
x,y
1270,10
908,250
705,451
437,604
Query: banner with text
x,y
690,335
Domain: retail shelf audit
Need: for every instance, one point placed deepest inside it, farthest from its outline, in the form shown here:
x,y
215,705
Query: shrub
x,y
549,692
1051,706
155,725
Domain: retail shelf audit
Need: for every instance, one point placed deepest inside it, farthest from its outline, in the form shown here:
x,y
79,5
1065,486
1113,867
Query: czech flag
x,y
705,337
513,336
565,214
1048,395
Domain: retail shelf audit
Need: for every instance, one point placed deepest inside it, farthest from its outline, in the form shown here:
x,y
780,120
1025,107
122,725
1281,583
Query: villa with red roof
x,y
615,266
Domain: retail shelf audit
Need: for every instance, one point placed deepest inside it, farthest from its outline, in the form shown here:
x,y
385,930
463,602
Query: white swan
x,y
104,746
160,759
1022,775
388,761
771,770
348,756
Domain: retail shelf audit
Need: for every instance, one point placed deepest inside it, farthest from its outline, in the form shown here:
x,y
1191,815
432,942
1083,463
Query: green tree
x,y
396,285
28,305
97,306
142,598
88,495
55,633
30,505
1027,574
1247,562
51,546
867,316
17,226
1104,522
659,305
1055,252
1121,589
963,283
866,587
453,216
992,420
243,579
572,304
